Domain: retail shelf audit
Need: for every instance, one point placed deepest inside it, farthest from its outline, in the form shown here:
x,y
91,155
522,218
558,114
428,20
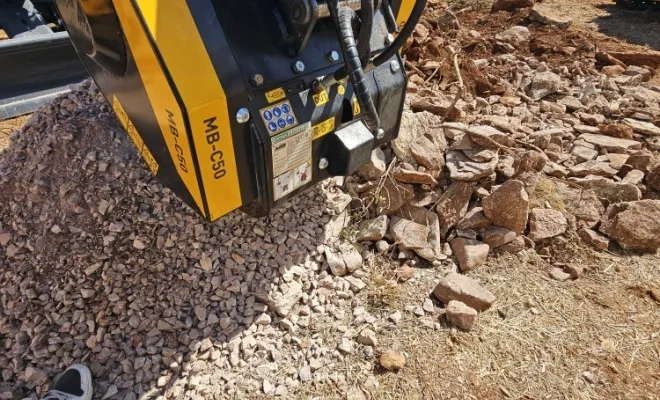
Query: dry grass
x,y
383,292
8,126
546,192
540,337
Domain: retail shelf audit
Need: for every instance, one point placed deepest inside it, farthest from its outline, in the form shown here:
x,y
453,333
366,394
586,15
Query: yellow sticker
x,y
323,128
341,89
134,135
275,95
321,98
356,106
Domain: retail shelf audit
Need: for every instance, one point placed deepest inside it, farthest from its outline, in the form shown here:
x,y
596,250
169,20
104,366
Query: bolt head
x,y
389,38
395,66
242,115
257,79
299,67
380,134
333,56
323,163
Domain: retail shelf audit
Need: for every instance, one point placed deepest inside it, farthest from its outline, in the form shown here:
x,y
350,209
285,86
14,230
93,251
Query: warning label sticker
x,y
292,159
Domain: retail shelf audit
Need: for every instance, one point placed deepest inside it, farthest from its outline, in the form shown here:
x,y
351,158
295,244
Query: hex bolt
x,y
389,39
299,67
257,79
380,134
394,66
242,115
323,163
333,56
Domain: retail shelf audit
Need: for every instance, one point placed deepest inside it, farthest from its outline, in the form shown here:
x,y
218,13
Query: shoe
x,y
74,384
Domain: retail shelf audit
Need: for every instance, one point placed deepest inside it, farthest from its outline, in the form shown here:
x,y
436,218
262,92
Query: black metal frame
x,y
36,64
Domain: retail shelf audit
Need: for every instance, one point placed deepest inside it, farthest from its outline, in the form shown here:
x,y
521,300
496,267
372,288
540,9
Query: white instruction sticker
x,y
292,159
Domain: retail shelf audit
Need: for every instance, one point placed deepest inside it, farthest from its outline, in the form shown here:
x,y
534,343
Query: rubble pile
x,y
535,155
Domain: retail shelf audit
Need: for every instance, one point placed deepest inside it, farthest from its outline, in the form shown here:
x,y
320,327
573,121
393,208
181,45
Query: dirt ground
x,y
609,21
7,127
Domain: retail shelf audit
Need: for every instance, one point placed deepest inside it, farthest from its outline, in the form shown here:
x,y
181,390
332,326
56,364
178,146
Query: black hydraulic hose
x,y
389,52
366,26
343,19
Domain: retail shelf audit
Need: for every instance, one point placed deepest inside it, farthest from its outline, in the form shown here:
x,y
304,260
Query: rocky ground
x,y
503,247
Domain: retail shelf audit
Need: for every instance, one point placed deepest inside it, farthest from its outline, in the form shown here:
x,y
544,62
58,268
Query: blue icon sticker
x,y
277,112
268,115
272,126
290,120
286,109
281,123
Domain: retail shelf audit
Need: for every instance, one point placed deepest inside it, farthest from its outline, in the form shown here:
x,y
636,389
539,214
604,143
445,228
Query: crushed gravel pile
x,y
100,264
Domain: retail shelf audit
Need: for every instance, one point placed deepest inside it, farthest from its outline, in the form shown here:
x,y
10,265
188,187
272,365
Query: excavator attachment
x,y
242,104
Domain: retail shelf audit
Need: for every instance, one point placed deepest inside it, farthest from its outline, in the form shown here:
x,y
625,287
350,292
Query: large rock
x,y
620,131
390,196
283,302
612,144
469,253
408,234
546,223
495,237
488,137
433,249
634,225
516,246
511,5
597,168
412,176
614,192
544,84
515,35
429,154
547,17
645,128
376,167
582,204
462,168
460,315
641,160
372,229
464,289
453,205
528,166
508,206
414,125
653,179
594,239
474,219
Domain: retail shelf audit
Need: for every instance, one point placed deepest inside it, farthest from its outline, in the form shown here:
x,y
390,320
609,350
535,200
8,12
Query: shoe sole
x,y
85,380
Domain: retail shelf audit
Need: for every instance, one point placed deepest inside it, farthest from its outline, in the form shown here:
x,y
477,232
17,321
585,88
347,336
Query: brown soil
x,y
8,126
